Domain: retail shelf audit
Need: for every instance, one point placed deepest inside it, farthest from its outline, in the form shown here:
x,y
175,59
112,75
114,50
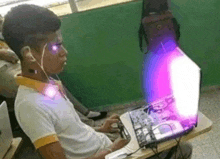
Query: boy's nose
x,y
64,52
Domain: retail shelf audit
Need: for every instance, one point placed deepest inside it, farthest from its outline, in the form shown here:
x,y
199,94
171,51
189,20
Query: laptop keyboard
x,y
142,125
146,117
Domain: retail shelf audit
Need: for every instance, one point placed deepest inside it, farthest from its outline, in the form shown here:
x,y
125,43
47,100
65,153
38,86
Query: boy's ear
x,y
26,53
24,50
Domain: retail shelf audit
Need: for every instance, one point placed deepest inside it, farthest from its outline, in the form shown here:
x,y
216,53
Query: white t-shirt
x,y
46,120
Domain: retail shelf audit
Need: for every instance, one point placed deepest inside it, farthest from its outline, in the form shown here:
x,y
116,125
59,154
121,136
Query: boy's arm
x,y
97,129
100,155
51,151
118,144
55,151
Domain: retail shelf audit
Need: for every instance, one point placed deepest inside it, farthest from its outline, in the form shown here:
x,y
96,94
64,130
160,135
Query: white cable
x,y
41,66
58,77
163,47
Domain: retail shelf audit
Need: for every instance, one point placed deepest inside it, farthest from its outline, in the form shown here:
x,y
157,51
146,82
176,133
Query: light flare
x,y
50,91
167,70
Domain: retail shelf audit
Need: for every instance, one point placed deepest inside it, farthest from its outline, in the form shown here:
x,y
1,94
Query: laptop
x,y
157,122
6,135
167,117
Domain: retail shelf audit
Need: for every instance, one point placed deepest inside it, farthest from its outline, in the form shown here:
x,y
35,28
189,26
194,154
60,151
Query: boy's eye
x,y
58,44
54,48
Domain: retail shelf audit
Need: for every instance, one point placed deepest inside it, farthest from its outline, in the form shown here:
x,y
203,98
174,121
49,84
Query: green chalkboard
x,y
104,60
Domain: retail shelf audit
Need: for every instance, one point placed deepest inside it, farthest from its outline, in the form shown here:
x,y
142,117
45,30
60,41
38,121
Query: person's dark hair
x,y
28,25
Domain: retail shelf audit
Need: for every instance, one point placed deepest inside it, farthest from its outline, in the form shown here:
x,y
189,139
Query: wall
x,y
200,36
104,61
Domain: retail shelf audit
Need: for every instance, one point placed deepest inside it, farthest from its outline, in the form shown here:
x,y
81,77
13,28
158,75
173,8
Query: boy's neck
x,y
39,75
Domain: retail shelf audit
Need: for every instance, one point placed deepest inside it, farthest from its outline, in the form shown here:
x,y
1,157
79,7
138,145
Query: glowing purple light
x,y
54,48
167,70
50,91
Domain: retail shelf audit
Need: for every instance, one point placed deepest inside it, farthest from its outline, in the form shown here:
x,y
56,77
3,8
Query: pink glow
x,y
55,48
50,91
169,71
156,76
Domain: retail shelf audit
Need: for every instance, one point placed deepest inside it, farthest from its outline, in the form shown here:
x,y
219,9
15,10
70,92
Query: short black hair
x,y
24,23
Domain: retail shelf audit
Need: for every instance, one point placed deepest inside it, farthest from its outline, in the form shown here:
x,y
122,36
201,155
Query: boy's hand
x,y
107,126
119,143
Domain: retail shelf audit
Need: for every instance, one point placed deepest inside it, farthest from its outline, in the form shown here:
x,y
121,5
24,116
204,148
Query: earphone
x,y
32,59
29,55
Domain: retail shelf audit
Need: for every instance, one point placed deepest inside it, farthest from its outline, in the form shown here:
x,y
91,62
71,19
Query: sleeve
x,y
37,123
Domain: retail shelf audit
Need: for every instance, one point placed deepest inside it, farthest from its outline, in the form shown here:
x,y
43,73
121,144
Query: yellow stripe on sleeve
x,y
45,140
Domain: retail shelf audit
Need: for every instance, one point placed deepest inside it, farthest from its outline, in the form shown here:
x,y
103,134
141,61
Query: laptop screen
x,y
172,73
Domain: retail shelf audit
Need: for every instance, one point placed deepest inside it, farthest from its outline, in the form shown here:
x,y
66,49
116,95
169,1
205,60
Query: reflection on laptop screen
x,y
171,85
172,73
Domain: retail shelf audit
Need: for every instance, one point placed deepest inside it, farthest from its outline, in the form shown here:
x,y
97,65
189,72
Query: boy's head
x,y
39,29
28,25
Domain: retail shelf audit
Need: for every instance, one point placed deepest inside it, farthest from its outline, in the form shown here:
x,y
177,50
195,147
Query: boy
x,y
9,66
42,109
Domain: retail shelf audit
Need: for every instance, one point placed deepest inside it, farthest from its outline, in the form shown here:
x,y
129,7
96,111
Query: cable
x,y
41,65
58,77
178,142
135,151
62,86
156,153
163,47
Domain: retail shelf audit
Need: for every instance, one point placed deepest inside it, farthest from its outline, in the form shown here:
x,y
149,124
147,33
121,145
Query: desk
x,y
204,125
13,148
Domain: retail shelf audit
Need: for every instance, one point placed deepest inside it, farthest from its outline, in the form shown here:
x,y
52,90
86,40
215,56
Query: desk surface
x,y
204,125
14,146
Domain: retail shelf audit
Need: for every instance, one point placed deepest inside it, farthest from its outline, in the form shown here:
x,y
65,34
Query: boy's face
x,y
55,55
